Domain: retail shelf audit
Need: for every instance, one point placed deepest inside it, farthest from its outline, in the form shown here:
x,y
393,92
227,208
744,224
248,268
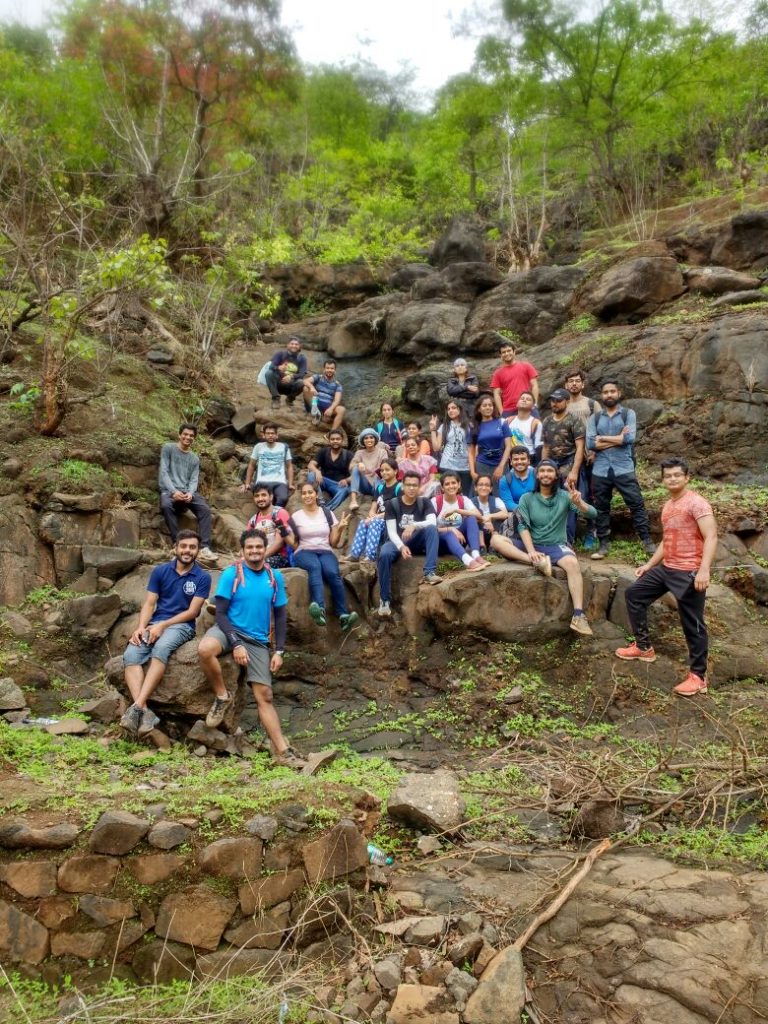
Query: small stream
x,y
367,383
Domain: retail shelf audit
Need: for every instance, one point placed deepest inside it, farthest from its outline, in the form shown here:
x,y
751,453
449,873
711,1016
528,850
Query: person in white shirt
x,y
457,524
525,427
271,463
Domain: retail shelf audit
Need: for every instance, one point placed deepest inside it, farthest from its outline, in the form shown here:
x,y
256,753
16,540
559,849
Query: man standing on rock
x,y
582,406
611,434
512,378
322,395
249,596
178,479
176,593
563,436
412,529
680,566
286,372
541,525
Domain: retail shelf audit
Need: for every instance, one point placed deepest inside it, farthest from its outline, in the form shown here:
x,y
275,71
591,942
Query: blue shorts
x,y
555,551
172,638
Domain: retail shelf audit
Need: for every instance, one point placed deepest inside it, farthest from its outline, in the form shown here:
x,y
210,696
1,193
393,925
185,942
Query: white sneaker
x,y
209,555
384,610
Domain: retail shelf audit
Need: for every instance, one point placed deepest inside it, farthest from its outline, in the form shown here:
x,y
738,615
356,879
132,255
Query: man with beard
x,y
286,372
275,524
329,469
611,435
176,593
322,392
248,596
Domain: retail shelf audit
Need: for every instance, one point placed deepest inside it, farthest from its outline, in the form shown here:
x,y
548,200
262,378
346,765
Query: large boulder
x,y
635,288
463,242
718,280
744,242
534,304
90,617
331,285
361,331
108,561
423,329
405,277
459,282
25,563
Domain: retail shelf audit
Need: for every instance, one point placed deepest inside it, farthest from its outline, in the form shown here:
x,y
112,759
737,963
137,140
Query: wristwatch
x,y
281,653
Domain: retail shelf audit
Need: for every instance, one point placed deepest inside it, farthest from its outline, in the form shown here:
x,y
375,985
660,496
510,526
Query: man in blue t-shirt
x,y
249,595
522,478
176,593
325,390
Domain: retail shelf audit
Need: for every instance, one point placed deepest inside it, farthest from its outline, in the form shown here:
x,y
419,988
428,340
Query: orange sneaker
x,y
691,685
635,653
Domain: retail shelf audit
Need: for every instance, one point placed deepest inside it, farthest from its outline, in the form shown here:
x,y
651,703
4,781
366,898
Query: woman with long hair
x,y
365,544
389,428
450,440
457,520
490,444
494,513
315,531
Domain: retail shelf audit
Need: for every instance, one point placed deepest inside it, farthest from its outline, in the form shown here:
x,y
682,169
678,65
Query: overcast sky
x,y
389,34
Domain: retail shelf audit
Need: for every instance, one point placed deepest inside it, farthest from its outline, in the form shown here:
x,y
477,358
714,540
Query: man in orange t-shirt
x,y
681,567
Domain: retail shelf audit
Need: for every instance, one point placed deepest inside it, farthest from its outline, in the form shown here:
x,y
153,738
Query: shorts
x,y
555,551
259,657
171,639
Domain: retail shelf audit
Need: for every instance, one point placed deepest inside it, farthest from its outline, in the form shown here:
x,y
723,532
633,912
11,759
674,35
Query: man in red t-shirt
x,y
679,566
511,379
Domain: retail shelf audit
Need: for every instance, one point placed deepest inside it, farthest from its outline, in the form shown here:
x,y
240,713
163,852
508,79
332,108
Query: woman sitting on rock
x,y
450,440
316,531
365,466
365,545
389,428
492,509
491,443
423,465
457,520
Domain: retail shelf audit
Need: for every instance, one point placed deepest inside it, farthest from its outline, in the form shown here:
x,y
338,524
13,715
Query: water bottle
x,y
378,856
315,411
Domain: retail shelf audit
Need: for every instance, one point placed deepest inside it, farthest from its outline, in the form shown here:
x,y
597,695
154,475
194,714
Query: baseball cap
x,y
560,395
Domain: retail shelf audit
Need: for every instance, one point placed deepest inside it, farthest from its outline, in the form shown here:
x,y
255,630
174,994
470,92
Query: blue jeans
x,y
360,483
338,492
450,542
424,541
170,640
322,567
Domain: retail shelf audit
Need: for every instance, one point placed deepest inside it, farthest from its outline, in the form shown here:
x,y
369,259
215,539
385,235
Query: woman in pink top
x,y
424,465
314,532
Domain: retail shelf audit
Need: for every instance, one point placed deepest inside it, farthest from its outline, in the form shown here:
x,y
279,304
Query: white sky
x,y
389,34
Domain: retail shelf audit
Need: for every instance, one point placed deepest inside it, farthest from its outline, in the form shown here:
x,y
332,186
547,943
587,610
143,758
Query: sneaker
x,y
290,399
317,613
348,621
208,555
635,653
432,578
384,611
649,547
275,401
579,624
691,685
215,716
544,566
590,542
601,552
149,721
131,720
288,758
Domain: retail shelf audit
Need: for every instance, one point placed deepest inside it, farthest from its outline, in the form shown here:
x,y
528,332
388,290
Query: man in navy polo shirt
x,y
176,593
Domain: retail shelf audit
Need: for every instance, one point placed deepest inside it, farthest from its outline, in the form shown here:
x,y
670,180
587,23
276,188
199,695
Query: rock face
x,y
109,561
635,287
463,242
117,832
459,282
421,329
91,617
197,917
744,242
338,853
24,562
428,801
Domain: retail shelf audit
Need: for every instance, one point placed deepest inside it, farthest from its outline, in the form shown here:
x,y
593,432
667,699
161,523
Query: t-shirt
x,y
390,433
406,515
267,524
489,437
560,436
512,488
523,432
513,381
294,364
270,462
314,531
683,543
334,469
175,591
448,513
250,609
583,407
326,389
546,518
179,471
386,493
453,453
425,466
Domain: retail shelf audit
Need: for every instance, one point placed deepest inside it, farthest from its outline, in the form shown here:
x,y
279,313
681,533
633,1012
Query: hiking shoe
x,y
149,721
544,566
579,624
131,720
432,578
208,555
288,758
317,613
290,399
601,552
691,685
384,611
590,542
649,547
215,716
275,401
348,621
635,653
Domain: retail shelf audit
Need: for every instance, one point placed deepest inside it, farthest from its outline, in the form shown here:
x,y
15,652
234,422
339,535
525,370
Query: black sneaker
x,y
276,401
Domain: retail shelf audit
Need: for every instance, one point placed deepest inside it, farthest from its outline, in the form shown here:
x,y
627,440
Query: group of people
x,y
510,483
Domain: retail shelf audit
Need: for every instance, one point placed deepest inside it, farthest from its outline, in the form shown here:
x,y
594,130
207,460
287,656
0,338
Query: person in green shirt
x,y
541,518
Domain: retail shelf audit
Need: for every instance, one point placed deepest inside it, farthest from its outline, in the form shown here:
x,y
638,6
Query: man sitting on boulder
x,y
249,595
412,529
178,479
322,395
330,469
286,372
542,517
176,593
